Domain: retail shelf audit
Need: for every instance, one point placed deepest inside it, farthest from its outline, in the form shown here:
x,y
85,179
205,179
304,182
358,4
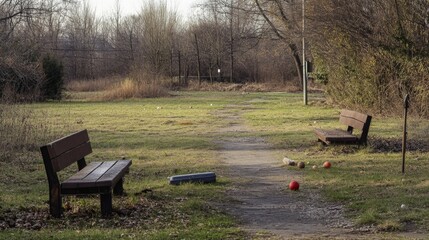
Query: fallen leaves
x,y
147,213
395,145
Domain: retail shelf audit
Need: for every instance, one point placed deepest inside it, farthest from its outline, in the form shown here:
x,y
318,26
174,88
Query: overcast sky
x,y
103,7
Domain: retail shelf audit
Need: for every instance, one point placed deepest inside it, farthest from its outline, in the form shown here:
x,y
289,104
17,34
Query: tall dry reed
x,y
21,134
94,85
139,84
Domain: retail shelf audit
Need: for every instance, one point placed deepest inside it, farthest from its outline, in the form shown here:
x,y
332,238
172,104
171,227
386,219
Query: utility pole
x,y
304,62
231,46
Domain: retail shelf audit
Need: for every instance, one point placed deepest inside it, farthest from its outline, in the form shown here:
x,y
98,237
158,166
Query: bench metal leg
x,y
119,187
106,204
55,202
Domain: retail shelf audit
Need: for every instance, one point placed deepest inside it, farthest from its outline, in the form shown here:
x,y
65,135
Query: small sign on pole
x,y
218,74
404,136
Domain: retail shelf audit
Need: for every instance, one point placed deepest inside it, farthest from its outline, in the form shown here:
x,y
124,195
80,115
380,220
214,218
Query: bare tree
x,y
158,25
22,31
82,31
283,18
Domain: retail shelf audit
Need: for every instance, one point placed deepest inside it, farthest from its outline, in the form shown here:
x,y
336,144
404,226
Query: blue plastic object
x,y
206,177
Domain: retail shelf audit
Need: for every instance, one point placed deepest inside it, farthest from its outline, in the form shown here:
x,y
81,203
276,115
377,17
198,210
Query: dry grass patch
x,y
230,87
94,85
19,132
135,89
193,85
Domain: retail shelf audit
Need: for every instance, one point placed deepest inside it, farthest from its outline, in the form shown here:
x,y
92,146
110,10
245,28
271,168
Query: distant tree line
x,y
223,42
368,53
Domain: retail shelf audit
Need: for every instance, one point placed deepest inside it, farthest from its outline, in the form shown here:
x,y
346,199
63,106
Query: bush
x,y
53,85
376,81
374,54
20,79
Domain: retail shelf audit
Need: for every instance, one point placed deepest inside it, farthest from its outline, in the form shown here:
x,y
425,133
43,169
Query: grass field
x,y
176,135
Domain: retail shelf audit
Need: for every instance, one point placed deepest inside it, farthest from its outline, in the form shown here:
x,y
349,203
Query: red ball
x,y
293,185
327,164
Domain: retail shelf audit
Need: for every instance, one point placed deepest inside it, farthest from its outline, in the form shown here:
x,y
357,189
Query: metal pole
x,y
304,64
404,137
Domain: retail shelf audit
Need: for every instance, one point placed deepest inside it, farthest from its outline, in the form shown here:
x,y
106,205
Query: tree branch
x,y
11,16
275,30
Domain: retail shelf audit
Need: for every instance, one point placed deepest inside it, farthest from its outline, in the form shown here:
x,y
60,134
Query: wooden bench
x,y
94,178
353,120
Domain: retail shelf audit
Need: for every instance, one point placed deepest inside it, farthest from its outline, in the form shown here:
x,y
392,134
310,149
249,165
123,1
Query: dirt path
x,y
260,198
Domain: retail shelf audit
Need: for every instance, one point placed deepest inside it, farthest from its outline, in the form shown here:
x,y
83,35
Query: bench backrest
x,y
65,151
356,120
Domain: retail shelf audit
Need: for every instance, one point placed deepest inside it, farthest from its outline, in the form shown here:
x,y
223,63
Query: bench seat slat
x,y
98,173
90,180
335,135
84,172
115,173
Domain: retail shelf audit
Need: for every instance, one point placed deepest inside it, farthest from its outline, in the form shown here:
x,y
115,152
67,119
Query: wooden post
x,y
404,137
231,46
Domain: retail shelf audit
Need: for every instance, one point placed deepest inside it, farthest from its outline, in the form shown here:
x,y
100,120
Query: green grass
x,y
176,135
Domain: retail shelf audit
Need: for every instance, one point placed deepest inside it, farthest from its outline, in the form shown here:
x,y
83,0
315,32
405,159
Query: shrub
x,y
377,80
53,84
20,79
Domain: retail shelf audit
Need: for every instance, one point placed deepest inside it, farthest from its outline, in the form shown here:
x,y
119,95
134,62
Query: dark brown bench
x,y
353,120
94,178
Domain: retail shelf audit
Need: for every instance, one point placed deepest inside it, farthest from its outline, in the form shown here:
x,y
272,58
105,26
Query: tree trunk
x,y
180,68
297,61
198,60
292,46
